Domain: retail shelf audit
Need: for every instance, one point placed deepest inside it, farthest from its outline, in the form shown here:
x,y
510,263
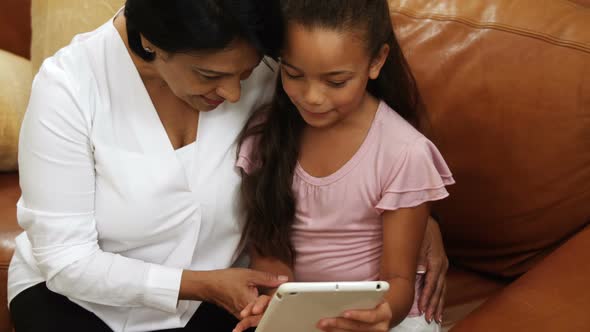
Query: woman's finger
x,y
436,297
266,279
430,279
441,304
247,323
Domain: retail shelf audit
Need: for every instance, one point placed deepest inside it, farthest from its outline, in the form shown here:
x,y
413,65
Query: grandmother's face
x,y
204,80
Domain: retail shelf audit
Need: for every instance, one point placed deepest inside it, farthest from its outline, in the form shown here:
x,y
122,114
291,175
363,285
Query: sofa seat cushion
x,y
466,291
552,296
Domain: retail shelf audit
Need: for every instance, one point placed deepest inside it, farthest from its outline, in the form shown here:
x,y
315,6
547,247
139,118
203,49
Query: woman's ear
x,y
378,62
147,46
151,48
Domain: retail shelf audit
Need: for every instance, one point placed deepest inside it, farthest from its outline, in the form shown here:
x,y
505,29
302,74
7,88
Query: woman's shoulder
x,y
65,88
72,71
78,57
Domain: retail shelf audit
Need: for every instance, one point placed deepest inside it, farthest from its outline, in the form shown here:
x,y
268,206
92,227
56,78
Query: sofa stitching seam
x,y
495,26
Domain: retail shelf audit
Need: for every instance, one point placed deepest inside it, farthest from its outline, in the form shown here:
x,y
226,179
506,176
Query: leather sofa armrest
x,y
9,229
552,296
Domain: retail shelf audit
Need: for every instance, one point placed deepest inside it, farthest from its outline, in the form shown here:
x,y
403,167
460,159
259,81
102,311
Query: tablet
x,y
299,306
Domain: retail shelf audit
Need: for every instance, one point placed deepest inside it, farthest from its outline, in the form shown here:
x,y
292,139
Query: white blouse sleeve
x,y
56,209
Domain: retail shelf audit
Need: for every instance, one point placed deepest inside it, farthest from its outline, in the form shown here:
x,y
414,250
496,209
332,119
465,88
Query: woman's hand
x,y
252,313
232,289
434,258
373,320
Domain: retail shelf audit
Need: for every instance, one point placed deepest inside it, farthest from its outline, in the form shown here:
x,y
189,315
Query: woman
x,y
128,180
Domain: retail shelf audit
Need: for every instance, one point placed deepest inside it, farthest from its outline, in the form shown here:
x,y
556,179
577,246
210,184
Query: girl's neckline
x,y
350,164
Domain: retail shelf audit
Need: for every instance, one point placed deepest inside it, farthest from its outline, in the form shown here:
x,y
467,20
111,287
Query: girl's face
x,y
325,73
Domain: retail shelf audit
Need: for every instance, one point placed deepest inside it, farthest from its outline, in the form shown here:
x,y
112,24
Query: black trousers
x,y
38,309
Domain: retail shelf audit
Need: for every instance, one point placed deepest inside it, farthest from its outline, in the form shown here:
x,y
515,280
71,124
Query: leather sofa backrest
x,y
507,89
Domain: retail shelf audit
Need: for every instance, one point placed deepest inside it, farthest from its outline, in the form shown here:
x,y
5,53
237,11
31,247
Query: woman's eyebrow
x,y
217,73
211,72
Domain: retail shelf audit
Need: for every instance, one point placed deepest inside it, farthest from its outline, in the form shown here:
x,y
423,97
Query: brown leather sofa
x,y
15,42
507,87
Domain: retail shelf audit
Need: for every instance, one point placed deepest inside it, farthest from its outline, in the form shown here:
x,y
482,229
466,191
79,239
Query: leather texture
x,y
552,296
9,193
15,27
466,291
507,88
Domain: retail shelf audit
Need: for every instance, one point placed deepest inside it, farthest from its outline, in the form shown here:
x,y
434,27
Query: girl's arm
x,y
403,231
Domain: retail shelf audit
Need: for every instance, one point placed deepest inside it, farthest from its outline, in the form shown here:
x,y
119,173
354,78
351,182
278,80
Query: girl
x,y
336,179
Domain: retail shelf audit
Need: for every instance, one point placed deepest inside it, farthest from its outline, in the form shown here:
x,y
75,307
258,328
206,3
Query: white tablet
x,y
299,306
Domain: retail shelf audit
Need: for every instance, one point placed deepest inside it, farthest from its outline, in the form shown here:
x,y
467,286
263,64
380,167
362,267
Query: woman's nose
x,y
230,90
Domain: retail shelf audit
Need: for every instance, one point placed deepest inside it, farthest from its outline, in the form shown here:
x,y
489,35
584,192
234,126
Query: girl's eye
x,y
337,84
292,75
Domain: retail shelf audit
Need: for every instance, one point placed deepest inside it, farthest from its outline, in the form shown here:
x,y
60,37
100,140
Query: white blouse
x,y
111,214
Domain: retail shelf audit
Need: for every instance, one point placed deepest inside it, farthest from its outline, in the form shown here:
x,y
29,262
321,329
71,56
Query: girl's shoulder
x,y
412,169
393,129
401,146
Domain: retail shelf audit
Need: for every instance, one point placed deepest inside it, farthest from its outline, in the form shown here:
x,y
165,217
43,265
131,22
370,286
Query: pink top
x,y
337,232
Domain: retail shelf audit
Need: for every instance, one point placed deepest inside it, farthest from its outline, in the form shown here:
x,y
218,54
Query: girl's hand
x,y
373,320
434,258
252,313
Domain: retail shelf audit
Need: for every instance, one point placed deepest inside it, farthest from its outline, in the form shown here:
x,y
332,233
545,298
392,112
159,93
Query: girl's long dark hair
x,y
267,193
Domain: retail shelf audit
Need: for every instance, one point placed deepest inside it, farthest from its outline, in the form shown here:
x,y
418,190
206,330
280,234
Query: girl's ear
x,y
378,62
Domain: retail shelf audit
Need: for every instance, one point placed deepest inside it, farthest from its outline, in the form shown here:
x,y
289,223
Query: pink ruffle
x,y
245,161
420,176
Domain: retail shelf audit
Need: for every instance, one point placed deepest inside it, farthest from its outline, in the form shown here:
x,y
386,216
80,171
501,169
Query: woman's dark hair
x,y
183,26
266,192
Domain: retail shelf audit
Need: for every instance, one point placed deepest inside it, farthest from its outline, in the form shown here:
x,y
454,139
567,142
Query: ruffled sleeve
x,y
419,175
245,155
246,152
